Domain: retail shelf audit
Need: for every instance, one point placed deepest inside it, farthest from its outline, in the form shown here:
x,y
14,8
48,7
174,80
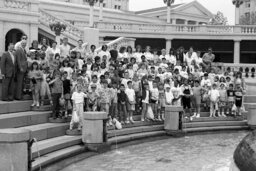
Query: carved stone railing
x,y
46,18
121,41
244,68
168,28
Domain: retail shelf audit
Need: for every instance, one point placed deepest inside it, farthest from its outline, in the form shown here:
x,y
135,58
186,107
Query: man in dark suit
x,y
22,66
8,64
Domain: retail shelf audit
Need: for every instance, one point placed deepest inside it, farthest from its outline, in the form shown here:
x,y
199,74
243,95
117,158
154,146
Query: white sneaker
x,y
198,115
131,120
37,104
194,115
110,123
222,114
142,120
34,104
127,122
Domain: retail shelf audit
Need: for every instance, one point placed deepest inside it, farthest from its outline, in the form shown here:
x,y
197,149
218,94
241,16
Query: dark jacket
x,y
21,58
144,94
122,97
8,68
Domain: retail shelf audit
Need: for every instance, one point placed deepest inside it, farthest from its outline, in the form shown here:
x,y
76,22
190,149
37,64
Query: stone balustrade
x,y
248,70
47,18
168,28
121,41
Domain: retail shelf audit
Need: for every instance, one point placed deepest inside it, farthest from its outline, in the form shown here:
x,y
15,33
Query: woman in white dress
x,y
104,52
122,53
148,54
138,53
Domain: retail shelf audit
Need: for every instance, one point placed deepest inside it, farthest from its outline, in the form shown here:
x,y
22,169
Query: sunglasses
x,y
24,38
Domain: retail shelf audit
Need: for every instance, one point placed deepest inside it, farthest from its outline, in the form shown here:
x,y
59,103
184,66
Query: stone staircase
x,y
53,145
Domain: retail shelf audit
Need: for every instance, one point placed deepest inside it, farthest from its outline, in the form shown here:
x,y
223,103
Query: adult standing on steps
x,y
22,65
8,64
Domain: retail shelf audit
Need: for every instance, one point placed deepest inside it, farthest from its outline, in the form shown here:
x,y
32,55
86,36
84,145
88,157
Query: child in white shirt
x,y
214,96
78,106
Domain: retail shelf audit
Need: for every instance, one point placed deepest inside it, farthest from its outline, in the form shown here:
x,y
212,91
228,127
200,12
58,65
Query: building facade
x,y
247,7
112,4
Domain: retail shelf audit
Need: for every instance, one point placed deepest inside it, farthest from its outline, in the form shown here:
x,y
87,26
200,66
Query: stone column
x,y
168,45
93,127
168,14
237,51
33,32
2,38
172,120
14,149
251,116
237,16
101,12
186,22
91,16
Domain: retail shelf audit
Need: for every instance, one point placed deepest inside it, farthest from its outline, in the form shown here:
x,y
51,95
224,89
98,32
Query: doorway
x,y
12,36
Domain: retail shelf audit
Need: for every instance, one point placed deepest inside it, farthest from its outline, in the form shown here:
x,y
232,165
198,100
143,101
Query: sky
x,y
225,6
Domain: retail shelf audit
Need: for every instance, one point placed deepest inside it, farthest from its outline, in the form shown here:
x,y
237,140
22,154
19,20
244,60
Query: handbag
x,y
75,117
61,101
150,114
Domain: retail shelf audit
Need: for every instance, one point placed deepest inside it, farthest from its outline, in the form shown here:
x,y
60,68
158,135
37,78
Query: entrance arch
x,y
12,36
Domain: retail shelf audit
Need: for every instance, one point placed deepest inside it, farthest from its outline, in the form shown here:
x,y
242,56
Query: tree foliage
x,y
248,19
218,19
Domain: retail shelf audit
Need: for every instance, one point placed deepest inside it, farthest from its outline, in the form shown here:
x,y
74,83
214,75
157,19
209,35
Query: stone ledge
x,y
169,108
14,135
95,115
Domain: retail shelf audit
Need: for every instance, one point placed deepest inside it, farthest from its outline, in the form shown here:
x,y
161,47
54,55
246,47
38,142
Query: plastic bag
x,y
118,125
75,117
61,101
150,114
69,105
234,108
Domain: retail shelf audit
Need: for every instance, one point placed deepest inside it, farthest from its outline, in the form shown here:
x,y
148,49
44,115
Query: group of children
x,y
128,83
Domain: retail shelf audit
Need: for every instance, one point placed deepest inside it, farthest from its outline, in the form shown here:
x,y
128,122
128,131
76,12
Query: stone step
x,y
136,136
53,144
14,106
208,119
56,156
216,128
250,99
138,124
47,130
214,124
14,120
133,130
42,108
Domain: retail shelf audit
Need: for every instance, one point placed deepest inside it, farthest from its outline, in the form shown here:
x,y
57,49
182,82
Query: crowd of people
x,y
121,82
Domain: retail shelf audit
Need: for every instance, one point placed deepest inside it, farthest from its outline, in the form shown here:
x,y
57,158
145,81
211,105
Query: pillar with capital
x,y
101,10
237,51
91,3
168,45
237,3
168,3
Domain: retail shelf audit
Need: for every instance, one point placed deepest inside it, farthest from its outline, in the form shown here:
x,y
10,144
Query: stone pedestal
x,y
91,35
14,149
94,127
251,116
171,123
